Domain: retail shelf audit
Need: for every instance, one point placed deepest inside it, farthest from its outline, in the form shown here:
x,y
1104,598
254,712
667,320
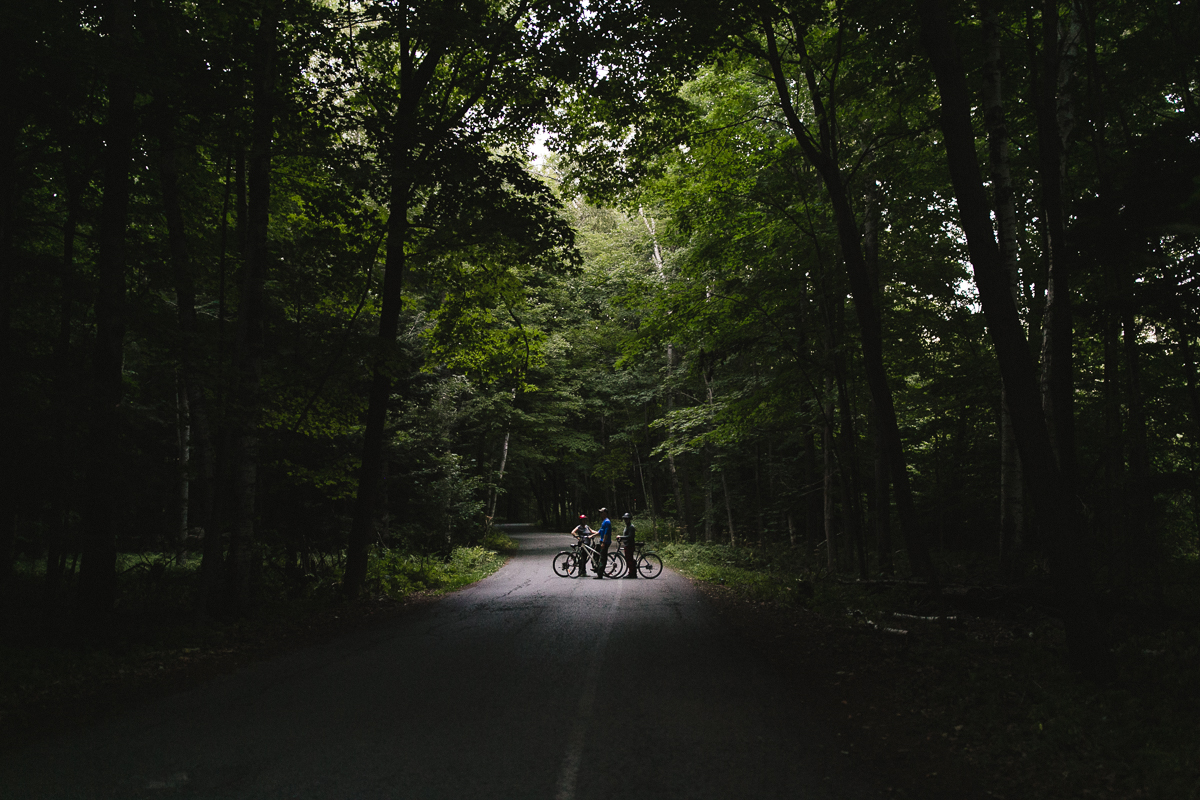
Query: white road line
x,y
568,776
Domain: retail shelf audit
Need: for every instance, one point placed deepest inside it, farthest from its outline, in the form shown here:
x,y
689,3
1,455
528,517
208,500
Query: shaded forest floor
x,y
981,705
54,678
978,703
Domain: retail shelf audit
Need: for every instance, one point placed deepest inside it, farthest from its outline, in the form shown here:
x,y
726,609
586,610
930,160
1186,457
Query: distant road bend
x,y
525,685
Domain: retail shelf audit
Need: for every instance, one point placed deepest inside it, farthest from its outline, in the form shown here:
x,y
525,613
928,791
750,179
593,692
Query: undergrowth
x,y
993,684
395,574
49,669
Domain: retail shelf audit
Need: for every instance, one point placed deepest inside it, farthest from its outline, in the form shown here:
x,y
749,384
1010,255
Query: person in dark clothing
x,y
582,532
605,534
627,537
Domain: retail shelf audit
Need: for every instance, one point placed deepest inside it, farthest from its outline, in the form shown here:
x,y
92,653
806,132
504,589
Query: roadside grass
x,y
52,673
394,574
987,692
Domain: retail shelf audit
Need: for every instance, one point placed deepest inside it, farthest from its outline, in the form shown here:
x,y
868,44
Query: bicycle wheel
x,y
649,565
564,564
615,566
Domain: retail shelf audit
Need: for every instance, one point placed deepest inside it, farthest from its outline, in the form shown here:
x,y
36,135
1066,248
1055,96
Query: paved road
x,y
508,689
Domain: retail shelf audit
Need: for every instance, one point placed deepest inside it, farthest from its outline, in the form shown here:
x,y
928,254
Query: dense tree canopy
x,y
283,281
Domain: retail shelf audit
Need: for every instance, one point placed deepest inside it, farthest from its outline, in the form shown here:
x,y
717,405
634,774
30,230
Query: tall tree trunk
x,y
200,505
1141,544
681,507
98,557
12,121
811,490
708,502
849,481
822,154
728,509
1003,199
1112,511
681,502
64,392
499,476
366,505
1061,518
830,466
183,445
878,500
1055,122
251,320
881,513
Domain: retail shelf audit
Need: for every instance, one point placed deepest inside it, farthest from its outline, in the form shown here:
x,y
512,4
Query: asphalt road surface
x,y
525,685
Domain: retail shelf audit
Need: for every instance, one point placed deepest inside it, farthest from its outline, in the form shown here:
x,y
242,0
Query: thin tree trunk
x,y
366,506
64,391
499,477
812,490
183,444
97,586
251,320
849,482
1054,126
878,500
1011,485
831,550
12,121
708,502
1141,543
882,515
1112,513
728,509
199,514
681,507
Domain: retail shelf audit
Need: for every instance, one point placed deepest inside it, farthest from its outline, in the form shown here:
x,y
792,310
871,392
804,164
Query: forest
x,y
289,285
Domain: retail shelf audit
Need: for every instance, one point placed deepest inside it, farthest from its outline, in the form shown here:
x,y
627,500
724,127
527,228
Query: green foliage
x,y
776,574
396,574
499,541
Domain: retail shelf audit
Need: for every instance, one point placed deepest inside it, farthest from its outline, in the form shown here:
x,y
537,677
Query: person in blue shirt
x,y
605,536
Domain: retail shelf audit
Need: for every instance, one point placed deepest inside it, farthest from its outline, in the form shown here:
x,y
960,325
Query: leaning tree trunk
x,y
1059,514
821,153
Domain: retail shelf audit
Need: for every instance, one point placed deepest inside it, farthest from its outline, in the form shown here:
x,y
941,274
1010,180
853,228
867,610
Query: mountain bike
x,y
649,565
566,562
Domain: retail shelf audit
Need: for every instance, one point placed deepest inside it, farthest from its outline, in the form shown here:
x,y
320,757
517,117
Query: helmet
x,y
583,516
627,515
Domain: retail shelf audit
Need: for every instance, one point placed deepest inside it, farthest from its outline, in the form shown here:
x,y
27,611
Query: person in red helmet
x,y
581,532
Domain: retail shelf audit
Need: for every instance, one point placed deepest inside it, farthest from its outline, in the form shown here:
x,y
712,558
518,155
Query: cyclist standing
x,y
581,532
627,540
605,533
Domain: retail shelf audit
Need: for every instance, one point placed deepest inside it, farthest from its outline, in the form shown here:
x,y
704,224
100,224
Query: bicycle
x,y
649,565
566,562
